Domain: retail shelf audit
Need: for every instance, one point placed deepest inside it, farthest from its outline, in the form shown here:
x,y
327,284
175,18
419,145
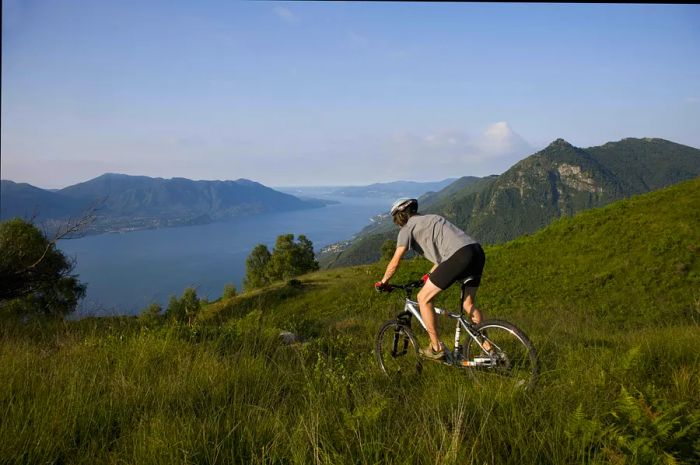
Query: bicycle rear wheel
x,y
396,350
512,356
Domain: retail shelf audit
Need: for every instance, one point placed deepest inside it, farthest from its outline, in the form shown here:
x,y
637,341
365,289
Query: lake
x,y
126,272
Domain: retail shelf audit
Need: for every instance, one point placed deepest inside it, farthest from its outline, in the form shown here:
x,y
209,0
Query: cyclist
x,y
453,253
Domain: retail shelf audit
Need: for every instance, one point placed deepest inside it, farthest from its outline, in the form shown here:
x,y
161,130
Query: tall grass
x,y
234,394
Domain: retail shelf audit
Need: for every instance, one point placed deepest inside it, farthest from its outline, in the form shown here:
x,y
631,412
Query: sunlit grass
x,y
619,382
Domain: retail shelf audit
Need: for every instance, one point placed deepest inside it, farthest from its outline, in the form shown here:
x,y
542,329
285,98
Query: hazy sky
x,y
315,93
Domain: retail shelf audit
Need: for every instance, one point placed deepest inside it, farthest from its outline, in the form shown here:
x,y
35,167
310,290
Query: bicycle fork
x,y
395,346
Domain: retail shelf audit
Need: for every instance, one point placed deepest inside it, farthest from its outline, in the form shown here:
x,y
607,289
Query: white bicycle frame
x,y
412,307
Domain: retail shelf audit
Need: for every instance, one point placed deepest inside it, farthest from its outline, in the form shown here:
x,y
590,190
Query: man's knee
x,y
426,294
423,298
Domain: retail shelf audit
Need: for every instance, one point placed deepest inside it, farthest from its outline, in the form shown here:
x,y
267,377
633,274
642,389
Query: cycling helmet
x,y
402,204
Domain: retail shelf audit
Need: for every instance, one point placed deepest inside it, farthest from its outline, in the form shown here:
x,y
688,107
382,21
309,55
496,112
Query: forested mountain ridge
x,y
136,202
560,180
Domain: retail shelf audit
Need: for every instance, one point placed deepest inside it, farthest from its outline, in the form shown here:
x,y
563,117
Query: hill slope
x,y
620,263
609,298
560,180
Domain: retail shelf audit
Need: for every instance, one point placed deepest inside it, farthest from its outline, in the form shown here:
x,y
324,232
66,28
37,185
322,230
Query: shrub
x,y
35,277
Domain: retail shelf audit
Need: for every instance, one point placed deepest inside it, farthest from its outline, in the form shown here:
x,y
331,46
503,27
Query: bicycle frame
x,y
411,308
521,358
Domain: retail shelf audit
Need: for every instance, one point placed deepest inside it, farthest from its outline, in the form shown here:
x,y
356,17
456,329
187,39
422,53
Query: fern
x,y
585,434
647,430
653,430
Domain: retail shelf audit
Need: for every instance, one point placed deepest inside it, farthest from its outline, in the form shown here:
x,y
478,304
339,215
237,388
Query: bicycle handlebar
x,y
407,287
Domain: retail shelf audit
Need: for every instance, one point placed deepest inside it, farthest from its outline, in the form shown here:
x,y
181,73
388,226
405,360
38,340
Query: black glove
x,y
382,287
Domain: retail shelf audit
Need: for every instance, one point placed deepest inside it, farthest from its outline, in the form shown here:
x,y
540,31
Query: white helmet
x,y
402,204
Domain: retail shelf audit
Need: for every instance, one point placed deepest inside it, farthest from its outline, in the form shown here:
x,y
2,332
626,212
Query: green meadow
x,y
610,298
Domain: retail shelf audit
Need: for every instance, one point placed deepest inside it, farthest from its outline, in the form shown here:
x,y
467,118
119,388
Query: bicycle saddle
x,y
471,281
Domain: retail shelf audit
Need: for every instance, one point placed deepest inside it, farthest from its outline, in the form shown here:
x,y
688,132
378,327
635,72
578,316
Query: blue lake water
x,y
126,272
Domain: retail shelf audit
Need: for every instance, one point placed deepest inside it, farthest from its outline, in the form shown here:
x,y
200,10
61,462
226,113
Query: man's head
x,y
403,209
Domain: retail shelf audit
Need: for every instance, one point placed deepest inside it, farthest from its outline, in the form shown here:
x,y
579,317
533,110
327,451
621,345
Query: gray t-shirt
x,y
433,237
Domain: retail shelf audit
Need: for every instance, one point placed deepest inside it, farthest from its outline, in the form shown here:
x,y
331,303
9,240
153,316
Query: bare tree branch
x,y
71,226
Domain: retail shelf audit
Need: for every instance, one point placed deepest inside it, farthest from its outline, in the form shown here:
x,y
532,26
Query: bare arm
x,y
394,263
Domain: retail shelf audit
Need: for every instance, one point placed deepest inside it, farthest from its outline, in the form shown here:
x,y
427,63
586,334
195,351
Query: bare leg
x,y
427,312
473,312
469,308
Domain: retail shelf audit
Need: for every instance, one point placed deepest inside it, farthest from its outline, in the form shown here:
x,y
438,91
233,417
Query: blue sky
x,y
320,93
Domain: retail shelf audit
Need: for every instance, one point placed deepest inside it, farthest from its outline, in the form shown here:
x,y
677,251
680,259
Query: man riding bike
x,y
453,253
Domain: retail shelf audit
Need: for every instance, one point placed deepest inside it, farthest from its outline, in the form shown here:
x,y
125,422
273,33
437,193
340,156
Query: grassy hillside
x,y
610,298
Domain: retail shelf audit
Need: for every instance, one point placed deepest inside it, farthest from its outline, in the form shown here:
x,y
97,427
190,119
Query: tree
x,y
152,313
287,260
175,310
305,257
35,277
290,259
190,305
282,262
229,291
256,267
184,309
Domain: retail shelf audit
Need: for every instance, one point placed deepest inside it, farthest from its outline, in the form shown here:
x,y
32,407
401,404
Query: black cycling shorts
x,y
467,261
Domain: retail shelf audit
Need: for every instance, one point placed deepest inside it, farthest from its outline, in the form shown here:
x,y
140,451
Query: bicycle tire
x,y
513,356
396,350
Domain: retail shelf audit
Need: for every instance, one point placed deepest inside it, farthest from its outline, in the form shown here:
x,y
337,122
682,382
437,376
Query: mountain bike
x,y
492,347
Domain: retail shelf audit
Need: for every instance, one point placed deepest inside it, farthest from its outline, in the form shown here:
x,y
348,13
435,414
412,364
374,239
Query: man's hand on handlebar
x,y
382,287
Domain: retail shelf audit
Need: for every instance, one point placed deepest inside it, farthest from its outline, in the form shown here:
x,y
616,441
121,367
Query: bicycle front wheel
x,y
396,350
505,352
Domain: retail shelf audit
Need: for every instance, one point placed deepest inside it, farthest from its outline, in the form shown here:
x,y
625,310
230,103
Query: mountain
x,y
136,202
393,190
560,180
27,201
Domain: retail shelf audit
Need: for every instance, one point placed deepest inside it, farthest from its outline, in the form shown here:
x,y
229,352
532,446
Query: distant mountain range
x,y
382,190
394,189
560,180
137,202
